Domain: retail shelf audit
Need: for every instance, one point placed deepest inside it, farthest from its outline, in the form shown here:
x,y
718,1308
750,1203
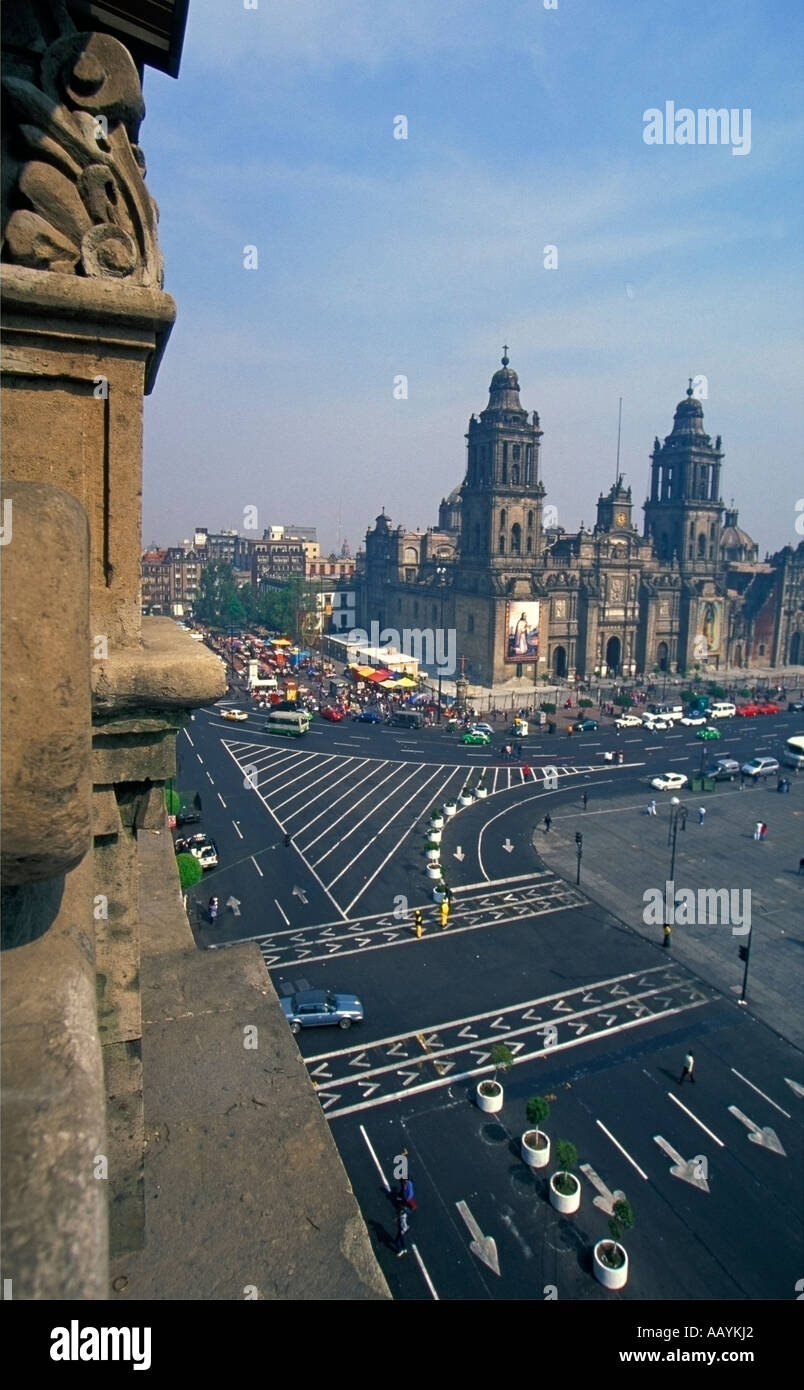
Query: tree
x,y
190,871
220,603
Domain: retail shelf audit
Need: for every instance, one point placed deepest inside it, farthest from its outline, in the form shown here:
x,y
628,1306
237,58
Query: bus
x,y
793,755
293,723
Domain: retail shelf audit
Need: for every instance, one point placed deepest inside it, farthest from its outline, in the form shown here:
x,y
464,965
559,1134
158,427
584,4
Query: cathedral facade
x,y
526,599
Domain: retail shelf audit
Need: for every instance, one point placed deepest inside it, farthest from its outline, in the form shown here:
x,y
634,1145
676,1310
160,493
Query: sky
x,y
380,257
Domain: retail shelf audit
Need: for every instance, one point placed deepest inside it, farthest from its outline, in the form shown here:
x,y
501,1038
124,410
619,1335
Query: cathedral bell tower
x,y
683,513
502,497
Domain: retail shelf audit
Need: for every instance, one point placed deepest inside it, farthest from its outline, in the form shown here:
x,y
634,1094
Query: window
x,y
502,545
516,538
530,521
529,545
517,452
701,546
515,474
503,518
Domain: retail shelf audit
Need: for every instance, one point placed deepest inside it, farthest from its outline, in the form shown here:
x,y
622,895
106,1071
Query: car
x,y
190,843
585,726
628,721
795,706
747,711
481,729
708,733
207,855
654,724
760,767
694,721
769,708
476,736
723,770
236,714
369,716
333,714
669,781
316,1008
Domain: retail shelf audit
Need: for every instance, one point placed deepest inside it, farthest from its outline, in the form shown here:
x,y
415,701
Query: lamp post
x,y
579,853
678,816
442,579
745,955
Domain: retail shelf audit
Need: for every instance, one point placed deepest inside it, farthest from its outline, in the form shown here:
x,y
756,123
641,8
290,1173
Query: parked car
x,y
708,733
190,843
207,855
795,706
669,781
760,767
654,724
369,716
694,721
235,714
332,713
723,770
769,708
189,812
476,736
482,729
628,721
316,1008
747,711
585,726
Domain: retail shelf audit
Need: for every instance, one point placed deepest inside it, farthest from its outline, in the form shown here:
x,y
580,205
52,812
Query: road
x,y
598,1018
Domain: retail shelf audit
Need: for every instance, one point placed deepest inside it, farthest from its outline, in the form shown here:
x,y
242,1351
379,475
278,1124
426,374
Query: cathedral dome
x,y
504,389
688,418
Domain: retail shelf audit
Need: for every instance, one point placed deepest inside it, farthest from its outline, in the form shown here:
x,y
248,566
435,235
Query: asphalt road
x,y
598,1018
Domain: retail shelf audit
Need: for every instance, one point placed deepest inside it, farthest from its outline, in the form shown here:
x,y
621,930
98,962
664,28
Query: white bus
x,y
293,723
793,755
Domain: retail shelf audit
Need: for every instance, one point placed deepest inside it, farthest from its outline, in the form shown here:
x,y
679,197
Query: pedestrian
x,y
758,830
701,814
402,1227
526,770
585,800
652,808
763,832
407,1194
548,821
689,1067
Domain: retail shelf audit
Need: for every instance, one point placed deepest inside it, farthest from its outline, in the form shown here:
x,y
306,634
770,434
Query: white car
x,y
237,714
628,721
481,729
654,724
693,721
669,781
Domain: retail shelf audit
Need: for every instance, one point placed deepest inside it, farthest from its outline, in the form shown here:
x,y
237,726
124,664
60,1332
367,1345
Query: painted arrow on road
x,y
606,1199
765,1137
795,1087
459,855
234,904
509,849
684,1168
299,893
485,1247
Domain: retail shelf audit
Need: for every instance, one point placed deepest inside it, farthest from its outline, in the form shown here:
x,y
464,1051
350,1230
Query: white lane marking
x,y
237,829
345,796
210,780
393,849
221,800
373,810
283,915
617,1143
377,1163
189,740
340,775
428,1281
761,1093
322,760
695,1120
257,867
200,759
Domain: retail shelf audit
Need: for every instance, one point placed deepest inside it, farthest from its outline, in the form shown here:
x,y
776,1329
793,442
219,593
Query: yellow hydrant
x,y
418,925
444,913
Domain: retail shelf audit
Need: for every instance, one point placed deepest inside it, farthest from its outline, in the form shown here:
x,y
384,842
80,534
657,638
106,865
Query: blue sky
x,y
380,257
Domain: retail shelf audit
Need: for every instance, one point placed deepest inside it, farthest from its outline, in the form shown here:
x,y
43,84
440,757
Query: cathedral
x,y
526,599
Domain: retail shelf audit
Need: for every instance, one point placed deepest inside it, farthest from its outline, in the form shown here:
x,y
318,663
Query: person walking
x,y
689,1067
758,830
652,808
548,821
402,1228
701,814
585,800
763,831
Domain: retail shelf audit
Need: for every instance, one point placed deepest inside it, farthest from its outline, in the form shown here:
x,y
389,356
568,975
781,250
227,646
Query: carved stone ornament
x,y
79,204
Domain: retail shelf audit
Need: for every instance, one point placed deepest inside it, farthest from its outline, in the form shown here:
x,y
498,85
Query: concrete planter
x,y
480,792
533,1156
564,1202
608,1277
434,869
434,834
436,823
465,798
450,808
432,855
439,893
490,1097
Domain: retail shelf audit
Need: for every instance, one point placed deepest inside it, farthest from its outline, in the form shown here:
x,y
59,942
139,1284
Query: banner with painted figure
x,y
522,631
707,638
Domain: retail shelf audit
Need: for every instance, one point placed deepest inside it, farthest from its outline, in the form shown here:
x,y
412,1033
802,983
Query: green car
x,y
708,733
475,736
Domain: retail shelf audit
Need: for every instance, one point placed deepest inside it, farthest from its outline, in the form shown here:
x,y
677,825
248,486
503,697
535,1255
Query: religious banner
x,y
522,631
707,638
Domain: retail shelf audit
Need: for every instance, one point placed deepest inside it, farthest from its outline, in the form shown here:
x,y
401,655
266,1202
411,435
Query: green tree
x,y
190,871
220,603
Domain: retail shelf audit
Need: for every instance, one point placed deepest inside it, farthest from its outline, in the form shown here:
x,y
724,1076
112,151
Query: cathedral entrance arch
x,y
560,662
662,655
613,655
738,655
795,649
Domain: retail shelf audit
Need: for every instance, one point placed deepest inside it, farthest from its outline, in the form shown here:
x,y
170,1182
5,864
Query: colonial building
x,y
528,599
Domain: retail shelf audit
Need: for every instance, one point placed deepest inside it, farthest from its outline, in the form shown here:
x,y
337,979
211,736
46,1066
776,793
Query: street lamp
x,y
442,579
579,853
678,816
745,955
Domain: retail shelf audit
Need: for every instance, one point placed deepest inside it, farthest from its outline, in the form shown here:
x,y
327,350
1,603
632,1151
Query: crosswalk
x,y
535,896
447,1052
349,814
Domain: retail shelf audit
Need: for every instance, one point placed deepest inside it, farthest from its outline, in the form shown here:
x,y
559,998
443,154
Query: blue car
x,y
369,716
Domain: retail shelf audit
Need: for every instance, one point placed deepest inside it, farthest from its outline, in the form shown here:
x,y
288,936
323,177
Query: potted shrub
x,y
432,851
490,1093
433,835
434,869
548,707
450,808
466,795
535,1146
565,1188
481,789
440,891
609,1257
437,818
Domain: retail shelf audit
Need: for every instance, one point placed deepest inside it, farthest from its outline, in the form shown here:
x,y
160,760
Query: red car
x,y
333,714
769,708
747,711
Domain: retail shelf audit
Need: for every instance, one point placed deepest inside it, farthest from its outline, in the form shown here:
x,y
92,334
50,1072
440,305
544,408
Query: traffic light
x,y
579,839
743,952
